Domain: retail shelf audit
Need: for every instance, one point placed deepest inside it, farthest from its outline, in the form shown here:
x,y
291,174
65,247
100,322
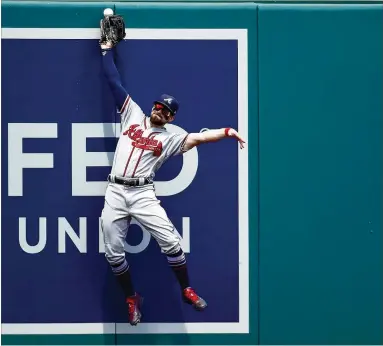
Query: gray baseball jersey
x,y
141,149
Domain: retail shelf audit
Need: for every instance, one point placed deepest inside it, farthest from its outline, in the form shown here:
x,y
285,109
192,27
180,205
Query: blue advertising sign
x,y
59,131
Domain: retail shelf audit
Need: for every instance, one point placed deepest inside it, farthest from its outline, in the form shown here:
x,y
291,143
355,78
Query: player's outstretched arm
x,y
112,75
194,139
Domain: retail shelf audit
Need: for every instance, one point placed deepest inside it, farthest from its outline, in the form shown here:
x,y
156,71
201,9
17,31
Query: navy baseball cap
x,y
169,102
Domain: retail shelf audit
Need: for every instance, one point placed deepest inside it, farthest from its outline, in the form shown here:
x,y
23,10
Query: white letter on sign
x,y
185,242
81,159
32,249
17,160
78,240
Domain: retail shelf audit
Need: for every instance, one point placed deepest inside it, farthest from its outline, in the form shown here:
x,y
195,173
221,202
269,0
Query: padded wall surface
x,y
299,262
320,107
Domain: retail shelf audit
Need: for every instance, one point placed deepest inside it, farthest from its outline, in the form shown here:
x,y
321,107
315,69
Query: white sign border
x,y
243,227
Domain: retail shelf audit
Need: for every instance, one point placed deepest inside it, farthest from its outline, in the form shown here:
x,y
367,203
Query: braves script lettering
x,y
145,143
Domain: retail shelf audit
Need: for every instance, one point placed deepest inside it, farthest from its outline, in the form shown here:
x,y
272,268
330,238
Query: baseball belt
x,y
129,181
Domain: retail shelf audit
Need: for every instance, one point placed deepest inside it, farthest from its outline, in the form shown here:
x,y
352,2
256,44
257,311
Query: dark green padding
x,y
321,111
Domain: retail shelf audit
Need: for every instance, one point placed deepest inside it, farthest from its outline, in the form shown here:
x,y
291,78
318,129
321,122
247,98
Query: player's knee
x,y
171,247
114,255
110,234
115,260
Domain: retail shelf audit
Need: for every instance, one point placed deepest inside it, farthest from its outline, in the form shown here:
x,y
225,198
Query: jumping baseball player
x,y
144,145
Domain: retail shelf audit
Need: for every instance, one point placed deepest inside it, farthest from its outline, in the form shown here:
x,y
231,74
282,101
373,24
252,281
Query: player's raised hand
x,y
112,29
233,133
106,45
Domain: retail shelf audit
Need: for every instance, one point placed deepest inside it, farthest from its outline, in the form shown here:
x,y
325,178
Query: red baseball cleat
x,y
189,296
134,306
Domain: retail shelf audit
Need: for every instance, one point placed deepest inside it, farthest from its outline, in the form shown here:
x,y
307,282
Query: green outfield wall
x,y
315,124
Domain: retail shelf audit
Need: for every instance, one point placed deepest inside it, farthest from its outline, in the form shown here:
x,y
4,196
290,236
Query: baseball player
x,y
144,145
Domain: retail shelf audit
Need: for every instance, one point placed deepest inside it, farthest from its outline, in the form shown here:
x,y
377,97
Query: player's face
x,y
160,115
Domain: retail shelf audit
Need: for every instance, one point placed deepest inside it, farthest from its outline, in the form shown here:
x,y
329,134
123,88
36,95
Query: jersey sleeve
x,y
130,112
126,107
176,144
113,77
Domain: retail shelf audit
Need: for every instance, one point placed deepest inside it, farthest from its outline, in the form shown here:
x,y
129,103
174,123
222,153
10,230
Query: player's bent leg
x,y
177,262
154,219
114,230
114,226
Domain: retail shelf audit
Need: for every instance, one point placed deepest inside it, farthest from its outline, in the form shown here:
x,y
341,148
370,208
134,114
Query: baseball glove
x,y
112,29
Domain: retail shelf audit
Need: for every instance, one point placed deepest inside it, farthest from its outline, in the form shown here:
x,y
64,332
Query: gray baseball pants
x,y
123,203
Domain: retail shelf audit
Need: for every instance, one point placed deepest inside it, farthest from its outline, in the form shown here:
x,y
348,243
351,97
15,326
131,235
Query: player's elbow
x,y
193,140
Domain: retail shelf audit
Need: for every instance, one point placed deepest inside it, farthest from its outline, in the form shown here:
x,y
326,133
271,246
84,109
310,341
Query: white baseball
x,y
108,12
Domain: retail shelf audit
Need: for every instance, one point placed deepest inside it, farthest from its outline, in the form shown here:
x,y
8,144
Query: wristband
x,y
227,129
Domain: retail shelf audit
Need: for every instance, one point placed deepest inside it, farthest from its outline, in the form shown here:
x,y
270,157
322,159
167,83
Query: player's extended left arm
x,y
194,139
113,77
